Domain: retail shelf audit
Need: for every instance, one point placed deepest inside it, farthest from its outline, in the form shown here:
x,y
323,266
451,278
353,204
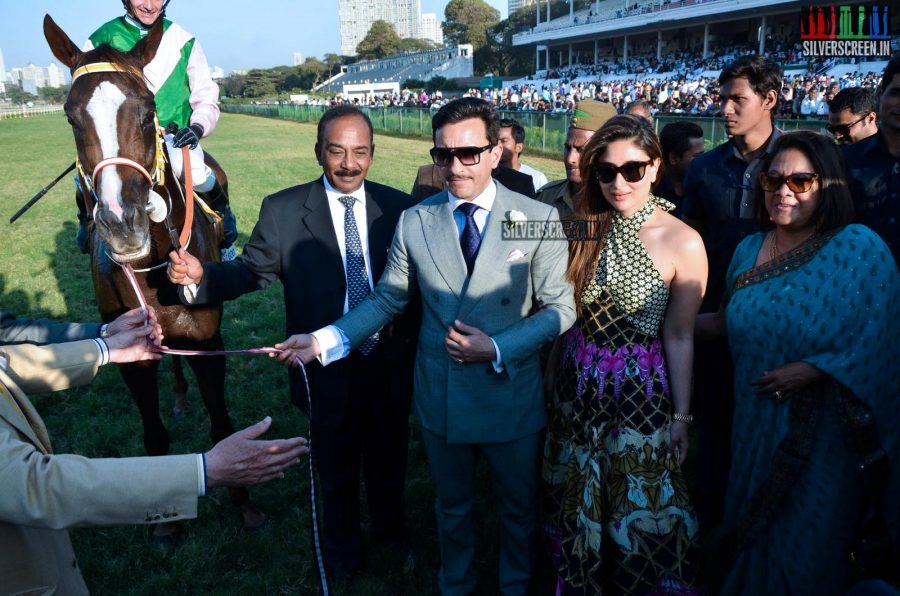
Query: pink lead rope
x,y
320,560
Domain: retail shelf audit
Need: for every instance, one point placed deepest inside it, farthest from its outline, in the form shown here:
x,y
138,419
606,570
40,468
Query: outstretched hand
x,y
184,268
302,345
242,460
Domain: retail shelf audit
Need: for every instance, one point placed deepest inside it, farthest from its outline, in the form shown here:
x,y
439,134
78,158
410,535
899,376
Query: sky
x,y
233,33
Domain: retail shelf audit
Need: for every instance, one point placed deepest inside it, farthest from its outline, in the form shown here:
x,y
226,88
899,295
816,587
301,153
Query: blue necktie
x,y
470,239
357,277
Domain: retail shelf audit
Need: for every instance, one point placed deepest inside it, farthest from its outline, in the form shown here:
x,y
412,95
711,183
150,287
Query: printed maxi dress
x,y
617,518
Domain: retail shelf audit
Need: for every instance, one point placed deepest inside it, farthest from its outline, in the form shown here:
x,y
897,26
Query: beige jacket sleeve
x,y
43,490
54,367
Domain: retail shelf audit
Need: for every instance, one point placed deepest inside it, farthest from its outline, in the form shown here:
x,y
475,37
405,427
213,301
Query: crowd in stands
x,y
679,83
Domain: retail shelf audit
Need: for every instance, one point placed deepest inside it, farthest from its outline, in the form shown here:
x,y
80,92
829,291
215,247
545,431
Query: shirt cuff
x,y
498,363
333,344
201,475
104,351
190,293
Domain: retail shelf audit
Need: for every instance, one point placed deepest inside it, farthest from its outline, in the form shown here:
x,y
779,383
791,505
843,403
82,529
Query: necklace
x,y
773,245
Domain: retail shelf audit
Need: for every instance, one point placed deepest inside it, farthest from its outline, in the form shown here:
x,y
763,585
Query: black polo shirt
x,y
718,191
874,178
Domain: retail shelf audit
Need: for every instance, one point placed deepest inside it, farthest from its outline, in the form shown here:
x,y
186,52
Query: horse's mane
x,y
107,53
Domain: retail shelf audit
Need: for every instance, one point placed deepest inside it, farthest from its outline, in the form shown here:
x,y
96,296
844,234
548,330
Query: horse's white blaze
x,y
104,110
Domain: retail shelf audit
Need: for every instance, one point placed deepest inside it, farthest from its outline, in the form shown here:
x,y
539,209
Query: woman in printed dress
x,y
617,516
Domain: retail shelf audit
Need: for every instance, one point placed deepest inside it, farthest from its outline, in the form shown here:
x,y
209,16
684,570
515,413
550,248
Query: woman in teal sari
x,y
811,315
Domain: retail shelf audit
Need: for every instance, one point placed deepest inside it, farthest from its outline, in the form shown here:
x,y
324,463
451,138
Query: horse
x,y
138,206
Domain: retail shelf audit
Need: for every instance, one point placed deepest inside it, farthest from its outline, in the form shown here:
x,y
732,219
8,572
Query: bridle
x,y
156,178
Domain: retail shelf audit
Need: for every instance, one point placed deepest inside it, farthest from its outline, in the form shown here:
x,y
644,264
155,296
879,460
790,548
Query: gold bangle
x,y
686,418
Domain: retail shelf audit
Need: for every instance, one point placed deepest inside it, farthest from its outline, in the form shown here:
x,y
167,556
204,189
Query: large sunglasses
x,y
801,182
467,156
843,129
632,171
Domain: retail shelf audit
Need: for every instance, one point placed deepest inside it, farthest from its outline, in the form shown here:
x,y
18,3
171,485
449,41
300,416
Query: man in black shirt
x,y
873,166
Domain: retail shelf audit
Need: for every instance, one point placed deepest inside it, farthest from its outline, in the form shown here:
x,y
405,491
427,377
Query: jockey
x,y
185,95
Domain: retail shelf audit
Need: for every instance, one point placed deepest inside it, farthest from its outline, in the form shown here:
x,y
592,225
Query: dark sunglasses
x,y
843,129
796,182
632,171
467,156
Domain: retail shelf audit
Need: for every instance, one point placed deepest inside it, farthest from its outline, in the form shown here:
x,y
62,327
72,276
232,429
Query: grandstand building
x,y
377,77
356,18
610,32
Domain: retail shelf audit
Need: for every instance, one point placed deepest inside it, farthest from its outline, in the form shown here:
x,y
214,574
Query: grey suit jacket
x,y
16,331
517,294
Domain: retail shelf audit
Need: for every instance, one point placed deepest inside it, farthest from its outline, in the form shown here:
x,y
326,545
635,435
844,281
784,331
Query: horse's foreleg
x,y
182,405
140,377
210,373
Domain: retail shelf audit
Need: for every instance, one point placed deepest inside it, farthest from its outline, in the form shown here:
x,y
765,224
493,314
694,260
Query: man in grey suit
x,y
490,270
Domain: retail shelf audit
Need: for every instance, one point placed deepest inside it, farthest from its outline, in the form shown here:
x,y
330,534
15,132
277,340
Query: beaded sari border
x,y
784,263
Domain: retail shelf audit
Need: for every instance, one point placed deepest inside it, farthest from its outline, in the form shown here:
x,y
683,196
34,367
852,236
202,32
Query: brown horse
x,y
139,208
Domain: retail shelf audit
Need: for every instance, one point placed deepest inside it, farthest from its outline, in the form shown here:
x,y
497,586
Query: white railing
x,y
26,112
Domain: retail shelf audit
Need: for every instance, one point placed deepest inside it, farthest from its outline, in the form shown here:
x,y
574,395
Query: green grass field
x,y
43,275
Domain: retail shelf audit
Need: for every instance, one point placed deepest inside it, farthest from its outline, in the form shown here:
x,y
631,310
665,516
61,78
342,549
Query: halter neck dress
x,y
616,513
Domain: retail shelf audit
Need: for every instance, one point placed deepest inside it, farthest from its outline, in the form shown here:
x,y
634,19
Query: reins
x,y
317,542
157,179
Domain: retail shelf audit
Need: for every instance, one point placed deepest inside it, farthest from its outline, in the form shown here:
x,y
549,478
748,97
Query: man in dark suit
x,y
327,241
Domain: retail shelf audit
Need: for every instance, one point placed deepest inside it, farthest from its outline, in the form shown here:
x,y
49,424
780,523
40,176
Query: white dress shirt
x,y
337,220
333,342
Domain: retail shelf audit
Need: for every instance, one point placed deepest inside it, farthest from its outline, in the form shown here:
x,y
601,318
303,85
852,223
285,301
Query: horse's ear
x,y
62,47
145,50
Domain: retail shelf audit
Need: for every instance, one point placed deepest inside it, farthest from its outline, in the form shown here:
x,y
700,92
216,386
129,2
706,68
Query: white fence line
x,y
25,112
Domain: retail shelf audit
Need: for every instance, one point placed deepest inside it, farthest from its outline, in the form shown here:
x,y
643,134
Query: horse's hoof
x,y
165,536
254,519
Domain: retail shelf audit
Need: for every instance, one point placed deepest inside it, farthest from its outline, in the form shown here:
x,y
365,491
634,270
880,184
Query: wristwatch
x,y
686,418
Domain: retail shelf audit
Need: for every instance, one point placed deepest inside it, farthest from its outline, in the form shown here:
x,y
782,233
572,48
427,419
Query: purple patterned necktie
x,y
470,239
357,276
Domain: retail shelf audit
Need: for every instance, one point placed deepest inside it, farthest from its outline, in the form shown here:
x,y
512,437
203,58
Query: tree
x,y
499,55
413,84
232,86
261,82
411,44
467,21
313,72
17,96
54,94
380,41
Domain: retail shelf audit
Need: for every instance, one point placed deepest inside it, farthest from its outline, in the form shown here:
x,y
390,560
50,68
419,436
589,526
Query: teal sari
x,y
833,302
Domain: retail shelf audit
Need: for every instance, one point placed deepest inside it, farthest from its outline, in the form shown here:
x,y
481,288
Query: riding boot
x,y
83,234
218,201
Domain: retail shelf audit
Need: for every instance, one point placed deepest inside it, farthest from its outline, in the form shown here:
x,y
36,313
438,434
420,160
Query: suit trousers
x,y
371,438
514,475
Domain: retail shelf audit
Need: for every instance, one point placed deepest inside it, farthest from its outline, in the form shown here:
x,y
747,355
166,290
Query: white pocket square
x,y
515,255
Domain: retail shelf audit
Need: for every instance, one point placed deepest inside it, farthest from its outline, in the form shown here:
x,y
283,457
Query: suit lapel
x,y
489,259
380,235
22,415
442,240
319,225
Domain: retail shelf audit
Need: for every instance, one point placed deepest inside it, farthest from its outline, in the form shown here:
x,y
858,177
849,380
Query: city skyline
x,y
234,39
